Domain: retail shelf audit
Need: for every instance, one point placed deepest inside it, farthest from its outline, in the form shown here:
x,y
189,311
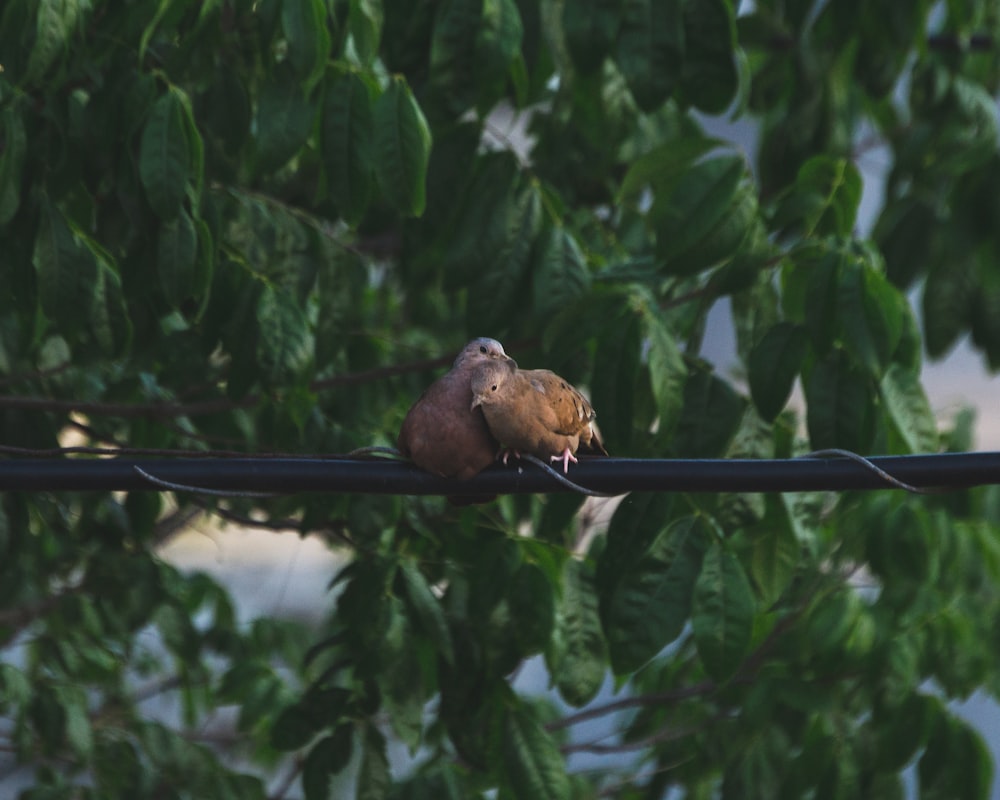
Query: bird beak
x,y
477,400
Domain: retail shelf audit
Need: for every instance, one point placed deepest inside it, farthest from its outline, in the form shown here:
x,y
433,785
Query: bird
x,y
442,432
535,411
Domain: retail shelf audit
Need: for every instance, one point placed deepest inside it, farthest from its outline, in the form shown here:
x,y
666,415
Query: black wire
x,y
606,475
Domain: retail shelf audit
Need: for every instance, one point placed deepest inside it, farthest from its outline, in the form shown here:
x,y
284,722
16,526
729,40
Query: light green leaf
x,y
402,148
774,365
907,404
346,134
649,605
427,609
577,656
165,164
722,613
304,24
533,766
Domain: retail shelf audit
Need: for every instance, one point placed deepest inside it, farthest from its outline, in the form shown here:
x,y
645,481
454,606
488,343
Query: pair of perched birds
x,y
459,424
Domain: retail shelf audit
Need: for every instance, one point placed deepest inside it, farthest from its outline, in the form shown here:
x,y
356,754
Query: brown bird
x,y
442,433
535,411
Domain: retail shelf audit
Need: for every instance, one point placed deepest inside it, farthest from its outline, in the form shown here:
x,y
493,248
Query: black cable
x,y
606,475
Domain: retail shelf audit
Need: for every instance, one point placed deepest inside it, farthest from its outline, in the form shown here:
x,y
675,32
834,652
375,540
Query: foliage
x,y
219,218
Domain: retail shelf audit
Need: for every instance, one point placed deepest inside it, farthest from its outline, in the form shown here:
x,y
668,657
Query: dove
x,y
442,433
535,411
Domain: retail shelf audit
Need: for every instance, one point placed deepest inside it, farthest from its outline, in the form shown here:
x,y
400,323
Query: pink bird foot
x,y
565,456
506,453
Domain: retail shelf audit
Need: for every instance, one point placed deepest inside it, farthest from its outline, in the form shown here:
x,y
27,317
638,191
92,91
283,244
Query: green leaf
x,y
346,134
774,365
67,271
651,49
494,295
649,604
708,79
821,270
775,554
109,321
710,417
722,613
176,259
284,343
956,763
907,404
577,655
12,158
304,24
55,23
294,727
498,42
402,148
532,608
948,298
869,314
533,767
425,606
559,272
616,371
284,119
327,758
667,371
662,166
590,28
453,52
364,20
703,216
904,730
165,155
825,198
839,404
373,772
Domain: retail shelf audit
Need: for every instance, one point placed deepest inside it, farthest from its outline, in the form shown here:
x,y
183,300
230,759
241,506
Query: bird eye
x,y
493,388
482,349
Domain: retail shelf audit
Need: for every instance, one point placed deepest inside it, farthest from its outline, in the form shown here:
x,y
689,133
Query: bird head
x,y
481,350
488,379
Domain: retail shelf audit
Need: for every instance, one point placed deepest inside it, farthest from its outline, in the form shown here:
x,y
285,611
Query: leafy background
x,y
263,227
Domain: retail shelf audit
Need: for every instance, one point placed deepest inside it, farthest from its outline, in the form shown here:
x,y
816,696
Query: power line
x,y
382,476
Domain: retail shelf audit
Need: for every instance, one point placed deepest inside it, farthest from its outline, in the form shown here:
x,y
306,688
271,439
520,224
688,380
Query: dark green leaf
x,y
66,269
373,772
774,365
667,372
284,120
869,314
346,136
532,763
165,163
176,259
722,613
427,610
56,23
590,27
532,608
651,49
663,165
304,24
648,606
840,401
327,758
708,78
776,552
402,148
907,404
577,656
12,158
284,344
559,272
948,298
364,20
710,417
453,52
616,370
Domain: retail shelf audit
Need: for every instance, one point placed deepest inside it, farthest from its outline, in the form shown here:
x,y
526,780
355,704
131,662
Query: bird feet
x,y
565,456
506,453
